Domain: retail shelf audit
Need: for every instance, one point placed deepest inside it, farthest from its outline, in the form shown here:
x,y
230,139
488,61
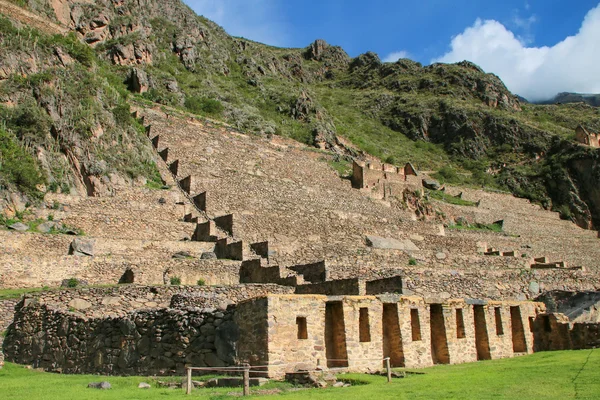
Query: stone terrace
x,y
531,230
285,193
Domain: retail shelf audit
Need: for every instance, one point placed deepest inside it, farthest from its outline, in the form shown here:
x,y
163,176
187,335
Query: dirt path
x,y
30,19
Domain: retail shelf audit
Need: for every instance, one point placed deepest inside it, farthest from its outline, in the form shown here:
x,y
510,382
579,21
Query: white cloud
x,y
258,20
524,22
395,56
533,72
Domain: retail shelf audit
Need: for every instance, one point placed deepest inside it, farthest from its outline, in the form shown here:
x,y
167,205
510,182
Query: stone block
x,y
391,244
82,247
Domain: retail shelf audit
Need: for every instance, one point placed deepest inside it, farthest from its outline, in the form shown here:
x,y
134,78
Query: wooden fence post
x,y
389,369
246,380
189,381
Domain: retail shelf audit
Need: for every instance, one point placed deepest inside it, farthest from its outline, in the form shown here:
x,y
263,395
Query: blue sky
x,y
538,47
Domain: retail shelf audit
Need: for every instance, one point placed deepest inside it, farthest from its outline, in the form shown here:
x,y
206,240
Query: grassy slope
x,y
549,375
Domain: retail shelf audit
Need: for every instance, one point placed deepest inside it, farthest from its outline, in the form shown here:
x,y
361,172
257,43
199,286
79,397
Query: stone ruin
x,y
586,137
384,180
284,316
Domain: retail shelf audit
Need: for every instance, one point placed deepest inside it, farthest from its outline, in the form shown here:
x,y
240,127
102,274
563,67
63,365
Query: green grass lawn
x,y
548,375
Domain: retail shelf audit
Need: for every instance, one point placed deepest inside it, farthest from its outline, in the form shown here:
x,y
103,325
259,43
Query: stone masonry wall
x,y
404,332
7,312
36,271
145,342
120,300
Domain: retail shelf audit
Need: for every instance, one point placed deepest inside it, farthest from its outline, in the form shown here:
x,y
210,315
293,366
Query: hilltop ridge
x,y
455,119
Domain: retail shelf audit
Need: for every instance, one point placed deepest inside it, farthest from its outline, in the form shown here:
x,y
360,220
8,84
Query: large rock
x,y
391,244
82,247
138,81
80,304
46,227
19,227
99,385
208,255
431,184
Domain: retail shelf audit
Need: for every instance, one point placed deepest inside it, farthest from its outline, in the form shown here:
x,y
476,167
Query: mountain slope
x,y
451,118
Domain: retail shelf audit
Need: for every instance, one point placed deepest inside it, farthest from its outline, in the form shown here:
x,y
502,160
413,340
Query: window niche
x,y
498,317
460,324
364,326
415,324
302,328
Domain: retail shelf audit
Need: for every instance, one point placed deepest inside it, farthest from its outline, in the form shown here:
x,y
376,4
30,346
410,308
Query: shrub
x,y
72,283
203,105
448,174
18,167
201,282
412,261
175,280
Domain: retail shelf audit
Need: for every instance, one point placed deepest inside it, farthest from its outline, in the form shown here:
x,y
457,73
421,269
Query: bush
x,y
72,283
448,174
203,105
412,261
201,282
175,280
122,114
17,167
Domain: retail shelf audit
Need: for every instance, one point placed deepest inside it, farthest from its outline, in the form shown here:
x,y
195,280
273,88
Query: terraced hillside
x,y
288,195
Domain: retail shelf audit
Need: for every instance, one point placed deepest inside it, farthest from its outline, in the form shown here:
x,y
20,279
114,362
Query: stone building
x,y
384,180
358,332
584,136
275,333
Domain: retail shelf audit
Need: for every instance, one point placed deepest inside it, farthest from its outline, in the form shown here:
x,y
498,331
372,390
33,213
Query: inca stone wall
x,y
278,333
555,332
7,312
359,332
144,342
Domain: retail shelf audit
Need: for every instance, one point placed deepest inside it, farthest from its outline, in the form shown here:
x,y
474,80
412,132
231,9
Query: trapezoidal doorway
x,y
482,341
127,277
335,335
518,332
392,337
439,341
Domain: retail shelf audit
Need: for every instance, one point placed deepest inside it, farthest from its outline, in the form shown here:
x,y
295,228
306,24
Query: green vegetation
x,y
81,108
412,261
6,294
201,282
461,225
17,167
175,280
202,105
72,283
157,185
442,196
342,167
557,375
453,120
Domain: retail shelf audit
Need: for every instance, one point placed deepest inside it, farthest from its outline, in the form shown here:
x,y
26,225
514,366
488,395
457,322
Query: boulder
x,y
99,385
82,247
182,255
144,385
391,244
208,255
534,288
46,227
431,184
19,227
138,81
